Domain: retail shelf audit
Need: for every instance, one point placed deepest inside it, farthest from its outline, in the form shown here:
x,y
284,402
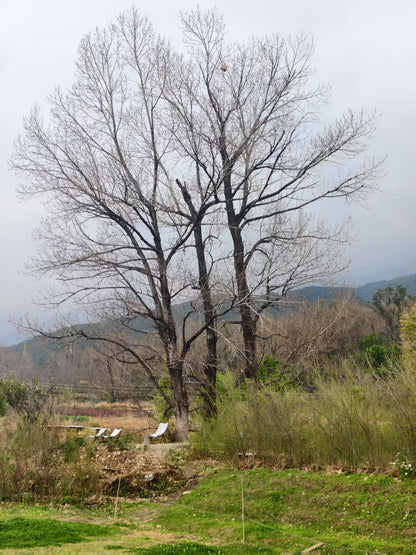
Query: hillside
x,y
54,362
363,293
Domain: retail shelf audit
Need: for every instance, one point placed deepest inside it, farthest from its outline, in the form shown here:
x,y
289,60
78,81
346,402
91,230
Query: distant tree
x,y
312,333
29,400
408,336
391,304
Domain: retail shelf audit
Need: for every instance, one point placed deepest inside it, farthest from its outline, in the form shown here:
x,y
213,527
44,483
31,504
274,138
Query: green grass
x,y
20,532
285,511
183,547
292,510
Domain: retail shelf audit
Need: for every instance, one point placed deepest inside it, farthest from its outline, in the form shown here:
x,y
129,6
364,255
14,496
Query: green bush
x,y
28,399
348,430
3,403
271,373
379,353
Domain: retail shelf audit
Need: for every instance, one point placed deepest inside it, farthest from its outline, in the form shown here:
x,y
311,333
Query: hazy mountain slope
x,y
43,352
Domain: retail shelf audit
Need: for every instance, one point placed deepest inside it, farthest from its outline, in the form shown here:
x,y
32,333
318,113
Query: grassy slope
x,y
284,511
294,510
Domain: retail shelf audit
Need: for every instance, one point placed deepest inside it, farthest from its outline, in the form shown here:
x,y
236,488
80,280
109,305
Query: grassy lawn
x,y
284,511
26,533
293,510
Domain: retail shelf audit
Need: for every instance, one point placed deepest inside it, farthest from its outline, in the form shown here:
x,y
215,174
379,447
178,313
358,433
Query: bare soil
x,y
146,471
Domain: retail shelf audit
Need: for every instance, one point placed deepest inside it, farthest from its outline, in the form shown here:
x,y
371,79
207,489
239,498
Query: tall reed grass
x,y
359,422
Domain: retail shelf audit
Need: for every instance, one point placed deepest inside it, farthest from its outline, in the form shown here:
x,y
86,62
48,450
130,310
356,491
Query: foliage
x,y
404,465
379,353
36,465
271,373
408,336
3,403
354,422
28,399
184,548
390,304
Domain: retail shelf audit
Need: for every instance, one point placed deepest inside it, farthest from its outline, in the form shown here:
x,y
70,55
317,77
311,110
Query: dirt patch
x,y
142,472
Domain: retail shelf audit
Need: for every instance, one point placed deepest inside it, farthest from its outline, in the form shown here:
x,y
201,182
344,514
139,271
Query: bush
x,y
379,354
35,465
271,373
28,399
349,431
348,423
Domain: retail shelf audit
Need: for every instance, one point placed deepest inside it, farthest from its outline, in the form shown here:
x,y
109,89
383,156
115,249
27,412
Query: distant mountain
x,y
43,352
363,294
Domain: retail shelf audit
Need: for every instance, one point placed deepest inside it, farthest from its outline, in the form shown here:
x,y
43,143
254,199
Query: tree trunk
x,y
180,396
210,366
248,320
209,389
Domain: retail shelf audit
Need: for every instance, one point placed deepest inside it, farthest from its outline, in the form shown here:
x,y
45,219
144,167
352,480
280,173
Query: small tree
x,y
29,400
391,304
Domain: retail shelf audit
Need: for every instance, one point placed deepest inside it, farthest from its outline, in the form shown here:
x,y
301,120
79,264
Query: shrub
x,y
379,353
28,399
35,465
348,423
272,373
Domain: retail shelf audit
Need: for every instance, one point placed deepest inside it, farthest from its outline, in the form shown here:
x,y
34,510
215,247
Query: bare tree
x,y
165,174
103,162
251,125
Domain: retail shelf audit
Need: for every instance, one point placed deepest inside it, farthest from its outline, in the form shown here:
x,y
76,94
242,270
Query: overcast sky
x,y
365,49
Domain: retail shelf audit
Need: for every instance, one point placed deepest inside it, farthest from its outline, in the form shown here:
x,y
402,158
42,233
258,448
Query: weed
x,y
36,466
360,422
404,465
191,548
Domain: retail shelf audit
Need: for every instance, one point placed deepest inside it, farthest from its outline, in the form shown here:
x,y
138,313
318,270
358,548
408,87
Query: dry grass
x,y
126,416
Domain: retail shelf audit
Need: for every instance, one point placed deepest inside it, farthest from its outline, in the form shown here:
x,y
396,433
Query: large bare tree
x,y
104,162
171,176
248,120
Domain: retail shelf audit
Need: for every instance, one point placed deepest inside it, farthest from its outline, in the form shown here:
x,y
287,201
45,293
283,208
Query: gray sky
x,y
365,49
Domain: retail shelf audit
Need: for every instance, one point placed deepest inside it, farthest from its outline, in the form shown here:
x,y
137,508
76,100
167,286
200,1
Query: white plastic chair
x,y
163,426
100,433
114,434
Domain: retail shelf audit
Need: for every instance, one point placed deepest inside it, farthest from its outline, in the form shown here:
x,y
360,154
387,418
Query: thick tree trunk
x,y
209,389
210,366
180,396
210,375
248,320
